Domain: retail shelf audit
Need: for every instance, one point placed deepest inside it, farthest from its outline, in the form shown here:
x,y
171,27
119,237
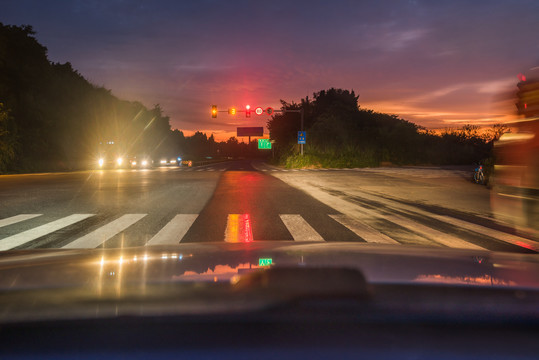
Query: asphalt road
x,y
244,201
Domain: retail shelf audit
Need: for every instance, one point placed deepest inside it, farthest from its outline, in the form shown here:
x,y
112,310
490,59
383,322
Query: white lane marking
x,y
364,231
299,228
99,236
17,218
32,234
222,169
238,228
174,231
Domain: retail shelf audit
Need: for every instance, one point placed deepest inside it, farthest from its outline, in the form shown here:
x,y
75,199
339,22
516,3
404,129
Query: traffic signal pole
x,y
247,111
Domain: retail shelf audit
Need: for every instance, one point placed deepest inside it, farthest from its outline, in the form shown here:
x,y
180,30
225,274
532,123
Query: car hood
x,y
235,279
224,262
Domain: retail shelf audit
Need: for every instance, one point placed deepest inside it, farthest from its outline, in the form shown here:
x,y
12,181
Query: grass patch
x,y
314,157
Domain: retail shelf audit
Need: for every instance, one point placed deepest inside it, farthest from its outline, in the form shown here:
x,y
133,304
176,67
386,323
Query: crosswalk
x,y
415,172
32,234
196,169
268,170
239,228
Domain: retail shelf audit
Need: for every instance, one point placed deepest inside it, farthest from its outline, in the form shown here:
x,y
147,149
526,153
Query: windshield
x,y
232,137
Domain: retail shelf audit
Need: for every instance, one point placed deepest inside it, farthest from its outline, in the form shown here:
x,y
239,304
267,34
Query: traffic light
x,y
214,111
248,111
528,98
232,111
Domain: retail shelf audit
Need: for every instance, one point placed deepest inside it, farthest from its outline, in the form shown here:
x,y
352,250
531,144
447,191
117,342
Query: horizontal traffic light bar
x,y
247,111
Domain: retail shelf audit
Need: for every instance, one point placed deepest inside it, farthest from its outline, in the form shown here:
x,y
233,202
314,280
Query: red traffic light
x,y
248,111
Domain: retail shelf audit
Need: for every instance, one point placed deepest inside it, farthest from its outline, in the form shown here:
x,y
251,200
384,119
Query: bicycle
x,y
479,176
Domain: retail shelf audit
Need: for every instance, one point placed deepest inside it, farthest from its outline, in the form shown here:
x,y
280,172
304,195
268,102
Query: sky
x,y
435,63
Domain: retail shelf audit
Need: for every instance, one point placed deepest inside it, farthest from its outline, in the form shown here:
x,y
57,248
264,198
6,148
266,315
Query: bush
x,y
344,157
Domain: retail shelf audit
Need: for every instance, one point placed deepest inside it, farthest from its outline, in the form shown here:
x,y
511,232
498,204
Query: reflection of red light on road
x,y
248,234
250,178
524,245
238,228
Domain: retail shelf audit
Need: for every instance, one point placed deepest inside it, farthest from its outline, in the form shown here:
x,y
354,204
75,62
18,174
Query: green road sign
x,y
264,144
265,262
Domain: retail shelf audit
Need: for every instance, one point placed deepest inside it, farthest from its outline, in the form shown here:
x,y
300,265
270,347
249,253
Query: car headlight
x,y
133,163
173,161
163,161
119,161
144,163
101,162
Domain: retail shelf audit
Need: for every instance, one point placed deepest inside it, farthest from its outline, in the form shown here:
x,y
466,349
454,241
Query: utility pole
x,y
301,112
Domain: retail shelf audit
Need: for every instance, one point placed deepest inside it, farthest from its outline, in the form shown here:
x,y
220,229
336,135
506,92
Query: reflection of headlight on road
x,y
119,161
144,162
101,162
163,161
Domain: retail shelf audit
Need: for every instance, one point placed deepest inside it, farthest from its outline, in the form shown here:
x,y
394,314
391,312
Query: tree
x,y
7,139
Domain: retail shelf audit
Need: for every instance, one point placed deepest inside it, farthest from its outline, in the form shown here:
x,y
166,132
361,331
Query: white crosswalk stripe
x,y
364,231
17,218
174,231
429,234
99,236
432,234
239,229
32,234
299,228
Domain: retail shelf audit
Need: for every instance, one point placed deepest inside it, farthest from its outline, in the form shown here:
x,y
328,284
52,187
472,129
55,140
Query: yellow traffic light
x,y
232,111
214,111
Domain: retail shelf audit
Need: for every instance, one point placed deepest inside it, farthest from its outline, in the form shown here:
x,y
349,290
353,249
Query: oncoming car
x,y
141,162
170,161
111,162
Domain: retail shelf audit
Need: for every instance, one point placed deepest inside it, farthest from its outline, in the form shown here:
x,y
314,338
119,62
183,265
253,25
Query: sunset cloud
x,y
433,63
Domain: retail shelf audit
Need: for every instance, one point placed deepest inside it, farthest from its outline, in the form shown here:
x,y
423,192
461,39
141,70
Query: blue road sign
x,y
302,135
